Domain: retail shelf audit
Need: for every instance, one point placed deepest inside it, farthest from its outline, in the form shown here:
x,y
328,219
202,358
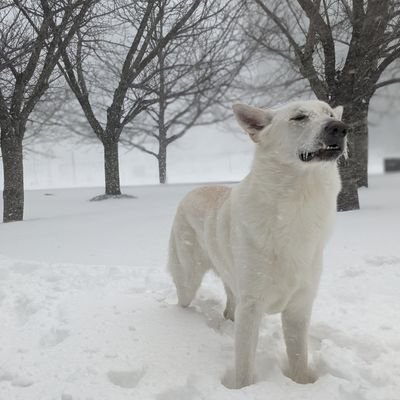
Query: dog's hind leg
x,y
186,265
229,312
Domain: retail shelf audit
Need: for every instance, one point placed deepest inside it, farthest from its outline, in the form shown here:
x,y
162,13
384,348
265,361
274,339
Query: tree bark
x,y
354,170
162,163
348,197
111,168
355,115
359,127
13,172
162,132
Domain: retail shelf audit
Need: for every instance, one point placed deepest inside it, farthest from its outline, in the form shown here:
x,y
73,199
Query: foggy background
x,y
221,152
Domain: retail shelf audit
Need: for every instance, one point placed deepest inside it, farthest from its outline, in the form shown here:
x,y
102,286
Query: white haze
x,y
210,153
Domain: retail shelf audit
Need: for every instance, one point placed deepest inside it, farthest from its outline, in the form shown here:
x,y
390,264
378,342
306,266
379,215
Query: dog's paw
x,y
231,381
304,378
229,314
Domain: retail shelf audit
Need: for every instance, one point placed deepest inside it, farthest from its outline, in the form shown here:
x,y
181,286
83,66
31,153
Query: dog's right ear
x,y
252,119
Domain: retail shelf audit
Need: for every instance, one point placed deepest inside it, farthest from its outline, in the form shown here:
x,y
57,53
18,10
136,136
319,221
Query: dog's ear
x,y
338,112
252,119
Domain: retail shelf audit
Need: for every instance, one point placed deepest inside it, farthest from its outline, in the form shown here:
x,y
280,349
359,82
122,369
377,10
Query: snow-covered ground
x,y
87,311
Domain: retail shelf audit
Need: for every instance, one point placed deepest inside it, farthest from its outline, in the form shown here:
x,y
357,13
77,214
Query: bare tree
x,y
190,77
111,70
32,36
342,48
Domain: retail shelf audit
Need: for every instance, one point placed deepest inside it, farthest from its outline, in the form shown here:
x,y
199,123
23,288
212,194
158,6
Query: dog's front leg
x,y
247,323
295,322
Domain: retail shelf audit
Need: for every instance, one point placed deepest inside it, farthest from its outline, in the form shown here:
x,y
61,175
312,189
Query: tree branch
x,y
386,83
325,34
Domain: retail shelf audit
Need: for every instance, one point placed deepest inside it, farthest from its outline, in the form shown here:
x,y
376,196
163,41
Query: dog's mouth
x,y
327,153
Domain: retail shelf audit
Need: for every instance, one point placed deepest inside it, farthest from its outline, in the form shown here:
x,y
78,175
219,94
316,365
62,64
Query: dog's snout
x,y
336,129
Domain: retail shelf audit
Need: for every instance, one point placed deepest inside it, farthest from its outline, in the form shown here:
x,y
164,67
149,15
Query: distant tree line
x,y
143,72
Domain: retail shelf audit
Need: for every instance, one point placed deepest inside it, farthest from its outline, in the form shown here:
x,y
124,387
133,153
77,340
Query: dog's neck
x,y
270,177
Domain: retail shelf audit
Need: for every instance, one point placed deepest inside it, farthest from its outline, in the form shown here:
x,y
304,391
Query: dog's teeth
x,y
332,147
306,156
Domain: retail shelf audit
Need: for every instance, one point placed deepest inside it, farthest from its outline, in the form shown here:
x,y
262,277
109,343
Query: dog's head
x,y
304,132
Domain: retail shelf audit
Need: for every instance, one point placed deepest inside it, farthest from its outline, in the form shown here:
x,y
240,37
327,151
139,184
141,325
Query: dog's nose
x,y
336,129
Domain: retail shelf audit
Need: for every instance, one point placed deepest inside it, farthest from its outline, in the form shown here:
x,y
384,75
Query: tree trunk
x,y
162,163
354,170
162,131
355,115
360,145
348,196
13,171
111,168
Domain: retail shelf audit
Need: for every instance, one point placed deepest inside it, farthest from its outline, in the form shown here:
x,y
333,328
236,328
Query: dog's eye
x,y
300,117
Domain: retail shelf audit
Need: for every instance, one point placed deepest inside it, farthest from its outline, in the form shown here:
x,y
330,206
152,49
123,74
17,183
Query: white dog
x,y
265,236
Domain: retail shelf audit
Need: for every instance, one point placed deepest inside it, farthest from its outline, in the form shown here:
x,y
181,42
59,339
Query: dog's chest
x,y
287,243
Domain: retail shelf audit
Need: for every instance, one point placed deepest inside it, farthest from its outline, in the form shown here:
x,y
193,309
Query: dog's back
x,y
203,201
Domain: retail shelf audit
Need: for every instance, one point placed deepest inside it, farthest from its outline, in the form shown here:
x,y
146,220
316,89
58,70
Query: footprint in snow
x,y
15,380
382,260
25,307
22,382
180,393
189,391
54,337
6,376
127,379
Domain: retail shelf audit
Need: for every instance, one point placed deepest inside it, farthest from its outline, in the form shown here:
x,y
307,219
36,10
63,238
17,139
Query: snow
x,y
87,311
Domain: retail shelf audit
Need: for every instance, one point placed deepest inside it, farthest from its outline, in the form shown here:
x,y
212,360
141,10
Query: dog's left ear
x,y
252,119
338,112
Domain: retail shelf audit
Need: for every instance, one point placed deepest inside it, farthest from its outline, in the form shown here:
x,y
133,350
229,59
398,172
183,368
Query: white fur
x,y
265,236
